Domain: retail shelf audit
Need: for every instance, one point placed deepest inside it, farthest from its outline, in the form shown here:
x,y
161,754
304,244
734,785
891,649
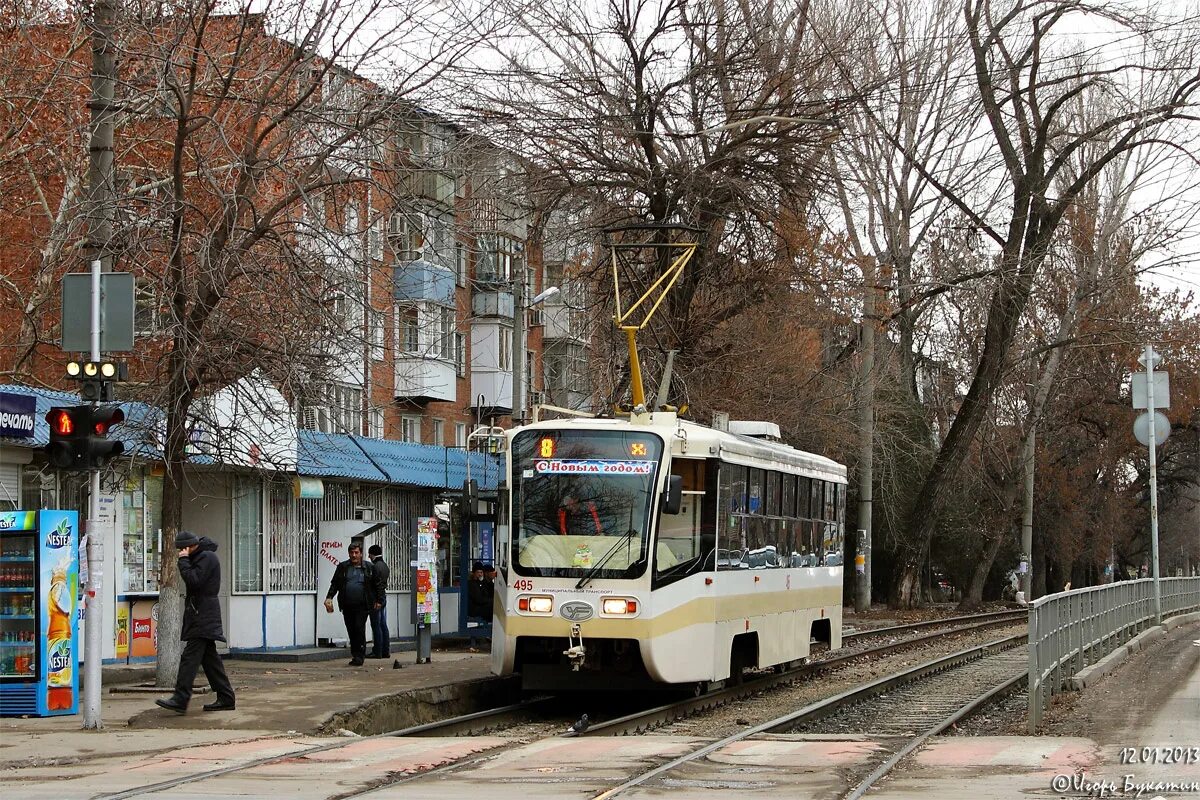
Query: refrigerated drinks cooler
x,y
39,581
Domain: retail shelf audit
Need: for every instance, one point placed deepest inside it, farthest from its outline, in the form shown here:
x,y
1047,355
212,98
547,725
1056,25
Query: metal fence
x,y
1072,630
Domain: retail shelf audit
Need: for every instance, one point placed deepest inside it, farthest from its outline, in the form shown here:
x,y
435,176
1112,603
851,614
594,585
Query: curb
x,y
1090,674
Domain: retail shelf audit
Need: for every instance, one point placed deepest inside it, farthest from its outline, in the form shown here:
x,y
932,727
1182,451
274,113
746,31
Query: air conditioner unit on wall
x,y
536,318
537,398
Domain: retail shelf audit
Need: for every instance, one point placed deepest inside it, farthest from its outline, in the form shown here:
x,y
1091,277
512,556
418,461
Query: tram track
x,y
999,671
541,713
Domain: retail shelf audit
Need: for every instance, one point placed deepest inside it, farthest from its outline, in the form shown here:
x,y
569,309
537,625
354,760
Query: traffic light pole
x,y
93,646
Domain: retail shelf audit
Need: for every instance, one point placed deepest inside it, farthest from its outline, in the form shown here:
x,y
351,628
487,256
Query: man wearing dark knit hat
x,y
201,573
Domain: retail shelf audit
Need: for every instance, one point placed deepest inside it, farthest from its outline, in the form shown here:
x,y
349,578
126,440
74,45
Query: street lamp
x,y
519,357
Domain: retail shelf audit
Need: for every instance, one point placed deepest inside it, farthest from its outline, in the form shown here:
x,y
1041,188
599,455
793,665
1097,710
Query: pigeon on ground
x,y
397,665
580,725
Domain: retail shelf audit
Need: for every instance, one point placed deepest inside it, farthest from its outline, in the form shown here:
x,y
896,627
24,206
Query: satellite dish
x,y
1141,428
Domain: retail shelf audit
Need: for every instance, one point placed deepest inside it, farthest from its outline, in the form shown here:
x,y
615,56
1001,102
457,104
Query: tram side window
x,y
771,499
803,490
733,488
685,540
731,525
754,494
788,495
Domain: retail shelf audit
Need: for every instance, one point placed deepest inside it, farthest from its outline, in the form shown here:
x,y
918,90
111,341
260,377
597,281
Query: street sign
x,y
1162,427
1162,390
116,312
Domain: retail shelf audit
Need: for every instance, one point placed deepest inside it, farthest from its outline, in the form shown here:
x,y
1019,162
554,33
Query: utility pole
x,y
866,441
518,348
1028,456
99,247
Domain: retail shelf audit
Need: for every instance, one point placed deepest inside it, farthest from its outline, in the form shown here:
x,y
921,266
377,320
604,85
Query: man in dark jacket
x,y
358,591
380,635
201,573
480,591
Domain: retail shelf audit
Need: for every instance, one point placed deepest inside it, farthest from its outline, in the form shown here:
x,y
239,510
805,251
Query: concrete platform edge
x,y
1092,673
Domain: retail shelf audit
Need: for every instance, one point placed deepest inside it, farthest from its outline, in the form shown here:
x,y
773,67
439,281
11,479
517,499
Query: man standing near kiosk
x,y
358,591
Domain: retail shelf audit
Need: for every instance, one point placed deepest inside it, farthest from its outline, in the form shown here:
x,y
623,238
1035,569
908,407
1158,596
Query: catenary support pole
x,y
99,247
518,354
1027,463
1150,358
866,442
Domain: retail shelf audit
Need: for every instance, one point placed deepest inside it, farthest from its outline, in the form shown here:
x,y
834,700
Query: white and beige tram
x,y
639,551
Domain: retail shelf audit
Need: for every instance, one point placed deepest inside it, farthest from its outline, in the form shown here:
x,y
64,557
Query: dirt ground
x,y
1111,710
880,616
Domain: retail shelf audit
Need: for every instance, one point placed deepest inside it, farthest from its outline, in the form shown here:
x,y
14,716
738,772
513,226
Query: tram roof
x,y
733,447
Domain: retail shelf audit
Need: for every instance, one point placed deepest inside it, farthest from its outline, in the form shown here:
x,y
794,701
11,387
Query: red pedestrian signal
x,y
61,421
69,426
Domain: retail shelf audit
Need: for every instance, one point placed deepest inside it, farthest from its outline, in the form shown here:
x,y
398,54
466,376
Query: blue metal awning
x,y
337,455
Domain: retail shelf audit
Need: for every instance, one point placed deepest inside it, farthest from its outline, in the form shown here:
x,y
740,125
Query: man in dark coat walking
x,y
201,573
358,591
381,645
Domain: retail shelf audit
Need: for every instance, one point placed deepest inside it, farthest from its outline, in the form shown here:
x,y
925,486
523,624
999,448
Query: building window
x,y
345,408
460,354
291,552
505,349
439,432
375,423
460,263
445,343
247,536
376,335
460,434
410,429
375,239
408,329
149,315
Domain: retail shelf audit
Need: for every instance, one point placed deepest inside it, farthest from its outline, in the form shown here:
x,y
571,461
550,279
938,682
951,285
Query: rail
x,y
1071,630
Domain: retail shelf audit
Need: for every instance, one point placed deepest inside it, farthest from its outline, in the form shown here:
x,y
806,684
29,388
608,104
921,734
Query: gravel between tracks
x,y
729,719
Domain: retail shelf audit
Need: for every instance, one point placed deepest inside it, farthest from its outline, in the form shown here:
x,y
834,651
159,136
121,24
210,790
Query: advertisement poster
x,y
122,631
427,588
143,623
59,584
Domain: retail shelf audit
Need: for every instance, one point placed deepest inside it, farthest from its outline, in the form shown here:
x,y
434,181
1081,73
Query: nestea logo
x,y
60,537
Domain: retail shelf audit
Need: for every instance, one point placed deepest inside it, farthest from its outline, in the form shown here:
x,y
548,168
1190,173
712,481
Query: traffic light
x,y
69,426
100,449
79,436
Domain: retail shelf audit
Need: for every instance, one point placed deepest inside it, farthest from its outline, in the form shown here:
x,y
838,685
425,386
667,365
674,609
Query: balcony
x,y
492,304
562,322
491,365
424,380
421,280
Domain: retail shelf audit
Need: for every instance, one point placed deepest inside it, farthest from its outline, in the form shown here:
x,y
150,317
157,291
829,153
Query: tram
x,y
645,550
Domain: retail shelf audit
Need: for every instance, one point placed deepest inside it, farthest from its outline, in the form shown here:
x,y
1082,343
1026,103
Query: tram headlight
x,y
619,606
539,604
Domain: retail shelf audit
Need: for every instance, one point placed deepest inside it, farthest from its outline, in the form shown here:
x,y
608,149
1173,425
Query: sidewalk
x,y
272,699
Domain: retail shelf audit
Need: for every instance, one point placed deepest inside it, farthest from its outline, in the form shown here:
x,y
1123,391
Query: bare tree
x,y
1027,78
708,115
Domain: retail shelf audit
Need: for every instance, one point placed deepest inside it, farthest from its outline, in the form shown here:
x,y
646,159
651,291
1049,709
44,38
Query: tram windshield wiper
x,y
599,565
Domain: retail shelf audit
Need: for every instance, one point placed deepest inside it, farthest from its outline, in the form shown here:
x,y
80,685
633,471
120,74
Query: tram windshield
x,y
582,502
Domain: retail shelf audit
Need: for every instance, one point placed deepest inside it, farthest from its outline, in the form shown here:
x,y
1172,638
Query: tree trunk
x,y
170,587
974,596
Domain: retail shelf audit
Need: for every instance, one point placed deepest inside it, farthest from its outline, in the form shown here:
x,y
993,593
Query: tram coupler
x,y
575,653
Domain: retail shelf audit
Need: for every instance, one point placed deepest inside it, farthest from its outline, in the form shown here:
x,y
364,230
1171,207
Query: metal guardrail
x,y
1072,630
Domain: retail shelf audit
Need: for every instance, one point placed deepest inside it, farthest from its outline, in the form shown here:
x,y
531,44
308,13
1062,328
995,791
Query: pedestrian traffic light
x,y
69,427
79,436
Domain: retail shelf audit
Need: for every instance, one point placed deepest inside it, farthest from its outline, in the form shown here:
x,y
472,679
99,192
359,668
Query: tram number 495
x,y
523,585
